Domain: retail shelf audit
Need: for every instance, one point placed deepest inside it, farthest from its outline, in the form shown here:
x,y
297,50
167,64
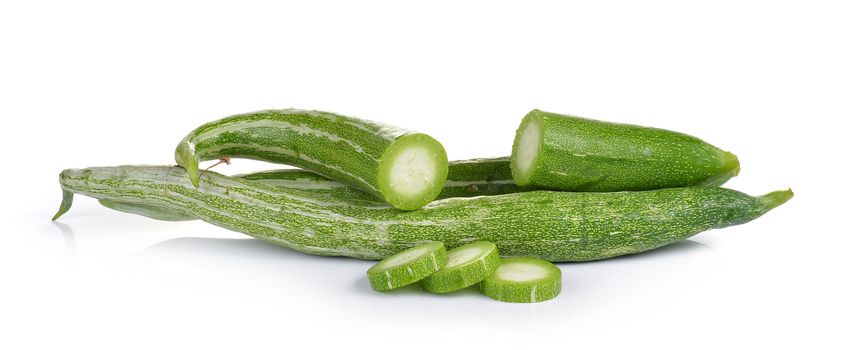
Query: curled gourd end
x,y
67,201
186,158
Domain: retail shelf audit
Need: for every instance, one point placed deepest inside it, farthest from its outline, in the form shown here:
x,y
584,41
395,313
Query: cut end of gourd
x,y
525,149
186,158
405,257
412,171
519,272
463,255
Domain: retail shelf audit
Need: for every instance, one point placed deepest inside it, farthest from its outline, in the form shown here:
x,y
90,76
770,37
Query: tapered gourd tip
x,y
67,201
729,168
775,199
732,164
186,158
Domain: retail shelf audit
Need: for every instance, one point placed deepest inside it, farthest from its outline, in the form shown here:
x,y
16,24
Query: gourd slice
x,y
408,266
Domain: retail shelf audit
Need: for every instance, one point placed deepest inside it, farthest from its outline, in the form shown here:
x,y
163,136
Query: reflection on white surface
x,y
229,258
249,250
113,266
70,242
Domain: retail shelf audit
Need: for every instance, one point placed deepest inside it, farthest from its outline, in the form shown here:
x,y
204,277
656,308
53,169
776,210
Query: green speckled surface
x,y
466,178
346,149
578,154
556,226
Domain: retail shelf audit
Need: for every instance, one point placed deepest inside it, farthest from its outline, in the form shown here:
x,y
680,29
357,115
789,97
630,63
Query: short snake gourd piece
x,y
555,226
576,154
404,168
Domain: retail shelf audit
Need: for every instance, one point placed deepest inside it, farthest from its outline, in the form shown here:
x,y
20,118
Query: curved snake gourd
x,y
404,168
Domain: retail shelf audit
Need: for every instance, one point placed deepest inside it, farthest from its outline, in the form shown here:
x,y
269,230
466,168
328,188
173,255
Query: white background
x,y
85,83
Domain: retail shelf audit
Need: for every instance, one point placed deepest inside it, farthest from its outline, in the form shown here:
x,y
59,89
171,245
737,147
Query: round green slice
x,y
468,264
408,266
523,280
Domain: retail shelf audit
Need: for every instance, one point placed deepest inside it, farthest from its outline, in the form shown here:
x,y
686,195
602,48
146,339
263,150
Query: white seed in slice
x,y
413,171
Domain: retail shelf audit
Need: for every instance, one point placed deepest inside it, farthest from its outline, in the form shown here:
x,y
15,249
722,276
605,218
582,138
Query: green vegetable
x,y
575,154
523,280
466,178
555,226
468,264
404,168
408,266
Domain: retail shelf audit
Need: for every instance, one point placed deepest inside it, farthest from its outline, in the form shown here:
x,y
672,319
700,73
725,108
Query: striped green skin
x,y
577,154
151,211
516,287
555,226
354,151
467,265
420,261
466,178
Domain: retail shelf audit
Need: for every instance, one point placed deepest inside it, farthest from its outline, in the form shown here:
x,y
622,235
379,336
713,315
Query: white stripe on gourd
x,y
404,168
484,176
557,226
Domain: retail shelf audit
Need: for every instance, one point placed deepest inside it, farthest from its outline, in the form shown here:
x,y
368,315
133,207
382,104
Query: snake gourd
x,y
576,154
466,178
404,168
554,226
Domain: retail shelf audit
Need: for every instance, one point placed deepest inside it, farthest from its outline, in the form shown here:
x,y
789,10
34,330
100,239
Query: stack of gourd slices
x,y
518,280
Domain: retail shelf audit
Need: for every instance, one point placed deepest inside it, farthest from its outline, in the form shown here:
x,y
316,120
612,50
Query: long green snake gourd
x,y
466,178
555,226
